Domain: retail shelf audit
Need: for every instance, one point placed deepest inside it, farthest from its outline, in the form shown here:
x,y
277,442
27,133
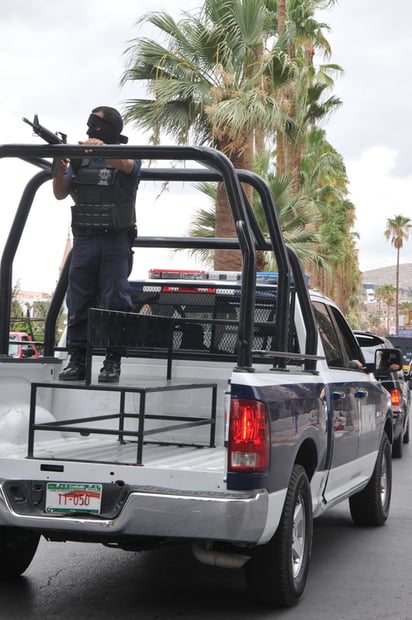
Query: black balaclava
x,y
107,129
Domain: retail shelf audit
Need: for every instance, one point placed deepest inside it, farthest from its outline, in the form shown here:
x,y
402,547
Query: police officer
x,y
104,226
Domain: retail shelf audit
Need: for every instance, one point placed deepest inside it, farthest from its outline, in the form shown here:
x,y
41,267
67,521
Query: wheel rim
x,y
384,479
298,537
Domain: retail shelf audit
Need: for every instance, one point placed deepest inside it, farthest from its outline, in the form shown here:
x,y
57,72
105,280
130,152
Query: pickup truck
x,y
398,386
241,413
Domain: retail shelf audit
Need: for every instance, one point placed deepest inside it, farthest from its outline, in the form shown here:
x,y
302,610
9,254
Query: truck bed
x,y
101,459
110,451
145,429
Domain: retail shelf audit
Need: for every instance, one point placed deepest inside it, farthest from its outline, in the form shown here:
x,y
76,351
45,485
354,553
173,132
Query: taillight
x,y
249,437
396,398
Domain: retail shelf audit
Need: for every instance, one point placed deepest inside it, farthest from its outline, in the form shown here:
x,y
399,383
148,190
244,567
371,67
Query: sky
x,y
60,60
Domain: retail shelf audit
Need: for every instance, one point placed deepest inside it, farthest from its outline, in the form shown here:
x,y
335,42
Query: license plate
x,y
73,497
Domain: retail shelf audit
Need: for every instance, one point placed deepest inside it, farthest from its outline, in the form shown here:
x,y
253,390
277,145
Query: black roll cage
x,y
250,238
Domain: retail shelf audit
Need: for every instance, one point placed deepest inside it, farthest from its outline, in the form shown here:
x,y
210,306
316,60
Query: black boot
x,y
76,368
110,372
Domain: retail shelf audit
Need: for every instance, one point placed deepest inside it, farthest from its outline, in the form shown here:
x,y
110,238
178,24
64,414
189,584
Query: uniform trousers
x,y
98,277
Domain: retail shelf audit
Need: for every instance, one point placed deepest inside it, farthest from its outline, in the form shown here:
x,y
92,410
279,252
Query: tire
x,y
397,447
17,549
370,506
277,571
406,435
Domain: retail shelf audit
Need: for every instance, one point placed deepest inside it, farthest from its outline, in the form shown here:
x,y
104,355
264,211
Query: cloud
x,y
379,193
61,59
373,47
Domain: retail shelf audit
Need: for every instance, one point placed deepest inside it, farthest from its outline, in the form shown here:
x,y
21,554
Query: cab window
x,y
338,341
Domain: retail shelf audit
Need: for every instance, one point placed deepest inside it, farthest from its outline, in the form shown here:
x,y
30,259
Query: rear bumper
x,y
236,518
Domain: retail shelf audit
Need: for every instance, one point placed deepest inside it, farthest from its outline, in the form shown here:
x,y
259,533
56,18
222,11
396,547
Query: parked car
x,y
21,345
397,385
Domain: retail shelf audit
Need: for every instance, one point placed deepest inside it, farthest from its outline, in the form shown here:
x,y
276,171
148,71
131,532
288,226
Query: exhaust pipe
x,y
221,559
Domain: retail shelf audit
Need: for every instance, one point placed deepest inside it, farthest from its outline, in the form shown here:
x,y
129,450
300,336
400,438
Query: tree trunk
x,y
231,260
397,294
225,260
281,15
280,146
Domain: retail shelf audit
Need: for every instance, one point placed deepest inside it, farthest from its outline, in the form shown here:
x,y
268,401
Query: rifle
x,y
46,134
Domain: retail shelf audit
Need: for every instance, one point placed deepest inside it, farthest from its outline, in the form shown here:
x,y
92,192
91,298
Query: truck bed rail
x,y
96,423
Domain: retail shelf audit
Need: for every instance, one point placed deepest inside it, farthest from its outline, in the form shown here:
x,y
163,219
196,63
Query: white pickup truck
x,y
239,417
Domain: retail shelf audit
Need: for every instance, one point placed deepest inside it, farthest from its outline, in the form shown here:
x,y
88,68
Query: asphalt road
x,y
356,574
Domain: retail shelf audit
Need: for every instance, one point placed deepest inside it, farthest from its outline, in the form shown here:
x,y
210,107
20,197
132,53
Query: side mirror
x,y
387,361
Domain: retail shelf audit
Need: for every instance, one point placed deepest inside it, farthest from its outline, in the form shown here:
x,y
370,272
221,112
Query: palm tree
x,y
219,79
397,232
374,322
213,83
325,184
303,99
386,293
294,211
317,220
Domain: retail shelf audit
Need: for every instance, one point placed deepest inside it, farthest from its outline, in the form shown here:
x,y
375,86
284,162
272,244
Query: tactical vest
x,y
101,204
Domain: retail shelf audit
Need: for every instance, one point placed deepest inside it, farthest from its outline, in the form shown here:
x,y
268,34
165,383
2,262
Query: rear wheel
x,y
406,434
277,571
397,447
17,549
371,505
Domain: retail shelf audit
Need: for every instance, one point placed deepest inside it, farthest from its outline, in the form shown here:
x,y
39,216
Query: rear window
x,y
209,313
